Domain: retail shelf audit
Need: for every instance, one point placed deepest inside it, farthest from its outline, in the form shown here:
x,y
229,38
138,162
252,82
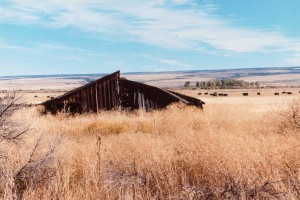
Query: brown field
x,y
279,77
236,148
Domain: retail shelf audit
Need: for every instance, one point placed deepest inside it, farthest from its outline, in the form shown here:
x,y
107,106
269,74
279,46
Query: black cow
x,y
245,94
258,93
199,93
289,93
276,94
206,93
225,95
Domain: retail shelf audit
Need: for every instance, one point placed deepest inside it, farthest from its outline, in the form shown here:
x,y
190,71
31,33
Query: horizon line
x,y
140,72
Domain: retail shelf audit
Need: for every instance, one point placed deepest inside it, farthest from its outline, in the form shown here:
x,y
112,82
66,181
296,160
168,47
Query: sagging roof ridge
x,y
163,90
185,96
140,87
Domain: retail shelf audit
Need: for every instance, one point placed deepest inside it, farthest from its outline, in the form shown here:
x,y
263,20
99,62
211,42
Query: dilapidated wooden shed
x,y
113,92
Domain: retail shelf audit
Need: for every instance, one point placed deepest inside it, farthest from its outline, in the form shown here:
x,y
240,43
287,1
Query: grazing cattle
x,y
199,93
258,93
35,96
220,94
245,94
289,93
276,93
48,97
206,93
52,98
283,92
225,95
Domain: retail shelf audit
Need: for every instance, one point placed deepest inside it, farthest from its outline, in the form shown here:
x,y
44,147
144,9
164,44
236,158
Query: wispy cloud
x,y
14,47
155,23
175,63
171,62
10,14
56,46
52,50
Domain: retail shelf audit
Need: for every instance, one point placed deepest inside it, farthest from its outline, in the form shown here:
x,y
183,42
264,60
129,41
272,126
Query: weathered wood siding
x,y
134,95
102,94
111,91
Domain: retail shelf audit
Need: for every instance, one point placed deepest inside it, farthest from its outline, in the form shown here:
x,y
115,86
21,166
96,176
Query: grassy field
x,y
236,148
38,96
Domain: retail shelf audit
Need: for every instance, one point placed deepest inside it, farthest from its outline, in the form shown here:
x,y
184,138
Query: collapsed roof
x,y
111,92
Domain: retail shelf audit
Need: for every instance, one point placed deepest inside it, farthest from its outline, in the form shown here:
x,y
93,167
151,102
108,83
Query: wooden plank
x,y
104,96
113,100
108,95
140,100
143,101
65,96
83,101
100,93
92,99
87,100
97,102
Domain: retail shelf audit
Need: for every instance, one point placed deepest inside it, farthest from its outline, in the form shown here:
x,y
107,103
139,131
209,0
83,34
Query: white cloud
x,y
175,63
56,46
180,1
50,49
151,22
171,62
14,47
9,14
39,46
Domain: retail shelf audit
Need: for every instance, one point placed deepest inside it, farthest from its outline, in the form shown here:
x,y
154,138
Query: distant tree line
x,y
223,84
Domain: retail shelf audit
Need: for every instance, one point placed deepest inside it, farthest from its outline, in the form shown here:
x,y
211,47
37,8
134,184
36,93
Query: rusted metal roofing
x,y
111,91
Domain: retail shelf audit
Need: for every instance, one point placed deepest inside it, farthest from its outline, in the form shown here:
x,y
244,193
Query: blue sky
x,y
101,36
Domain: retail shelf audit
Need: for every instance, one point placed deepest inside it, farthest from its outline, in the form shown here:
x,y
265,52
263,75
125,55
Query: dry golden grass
x,y
223,152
